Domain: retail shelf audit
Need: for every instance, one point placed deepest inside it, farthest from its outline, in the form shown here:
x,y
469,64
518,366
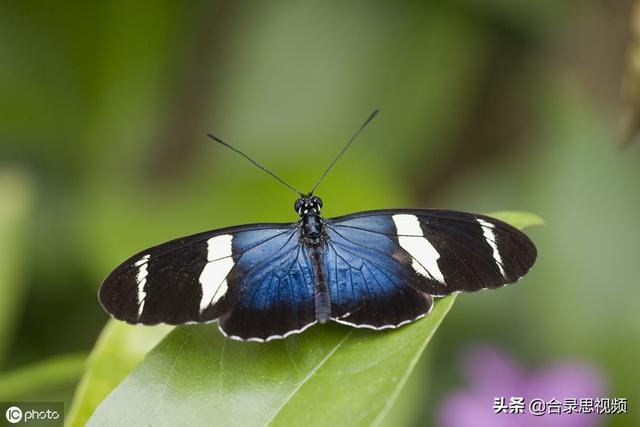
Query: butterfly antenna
x,y
355,135
215,138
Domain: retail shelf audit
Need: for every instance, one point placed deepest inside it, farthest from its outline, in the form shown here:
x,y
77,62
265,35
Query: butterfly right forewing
x,y
439,251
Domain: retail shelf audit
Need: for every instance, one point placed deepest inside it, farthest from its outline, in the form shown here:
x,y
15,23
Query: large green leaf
x,y
329,375
119,349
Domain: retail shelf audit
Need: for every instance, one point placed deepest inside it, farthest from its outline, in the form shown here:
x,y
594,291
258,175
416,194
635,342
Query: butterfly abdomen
x,y
322,296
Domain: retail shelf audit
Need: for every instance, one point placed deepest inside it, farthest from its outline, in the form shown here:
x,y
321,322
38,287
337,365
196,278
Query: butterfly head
x,y
308,205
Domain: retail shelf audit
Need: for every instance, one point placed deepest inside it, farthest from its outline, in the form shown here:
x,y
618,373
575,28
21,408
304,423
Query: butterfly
x,y
376,269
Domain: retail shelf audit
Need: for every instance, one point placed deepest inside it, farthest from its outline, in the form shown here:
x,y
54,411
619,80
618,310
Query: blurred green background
x,y
485,105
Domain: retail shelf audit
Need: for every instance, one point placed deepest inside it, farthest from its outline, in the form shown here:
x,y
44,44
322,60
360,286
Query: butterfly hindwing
x,y
273,296
369,282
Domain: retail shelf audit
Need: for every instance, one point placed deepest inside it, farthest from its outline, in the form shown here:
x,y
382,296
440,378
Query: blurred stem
x,y
631,82
43,375
184,130
17,190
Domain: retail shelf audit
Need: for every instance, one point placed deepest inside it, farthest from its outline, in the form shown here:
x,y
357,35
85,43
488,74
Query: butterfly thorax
x,y
311,223
312,229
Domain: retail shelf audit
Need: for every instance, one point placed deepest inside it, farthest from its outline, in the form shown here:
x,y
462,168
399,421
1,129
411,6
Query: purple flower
x,y
498,384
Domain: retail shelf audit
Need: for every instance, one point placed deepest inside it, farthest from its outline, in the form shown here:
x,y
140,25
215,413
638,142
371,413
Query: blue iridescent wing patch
x,y
271,291
371,282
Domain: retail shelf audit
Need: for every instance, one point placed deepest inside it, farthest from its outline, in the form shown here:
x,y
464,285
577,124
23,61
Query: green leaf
x,y
119,349
518,219
329,375
198,377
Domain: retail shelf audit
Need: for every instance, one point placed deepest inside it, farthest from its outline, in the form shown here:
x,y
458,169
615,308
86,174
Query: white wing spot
x,y
141,279
412,240
490,237
213,276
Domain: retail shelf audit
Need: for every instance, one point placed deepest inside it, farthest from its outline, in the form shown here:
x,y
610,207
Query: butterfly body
x,y
313,238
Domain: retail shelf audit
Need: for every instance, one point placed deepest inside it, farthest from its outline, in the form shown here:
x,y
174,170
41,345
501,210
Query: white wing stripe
x,y
412,240
213,276
490,237
141,279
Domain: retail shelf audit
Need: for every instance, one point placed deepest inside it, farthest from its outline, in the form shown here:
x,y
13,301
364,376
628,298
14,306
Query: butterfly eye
x,y
318,201
297,205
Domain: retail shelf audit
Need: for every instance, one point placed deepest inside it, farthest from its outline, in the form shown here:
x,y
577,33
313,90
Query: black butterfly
x,y
374,269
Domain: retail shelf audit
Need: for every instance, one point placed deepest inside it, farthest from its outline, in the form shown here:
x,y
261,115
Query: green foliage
x,y
118,350
519,219
329,375
25,382
16,190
